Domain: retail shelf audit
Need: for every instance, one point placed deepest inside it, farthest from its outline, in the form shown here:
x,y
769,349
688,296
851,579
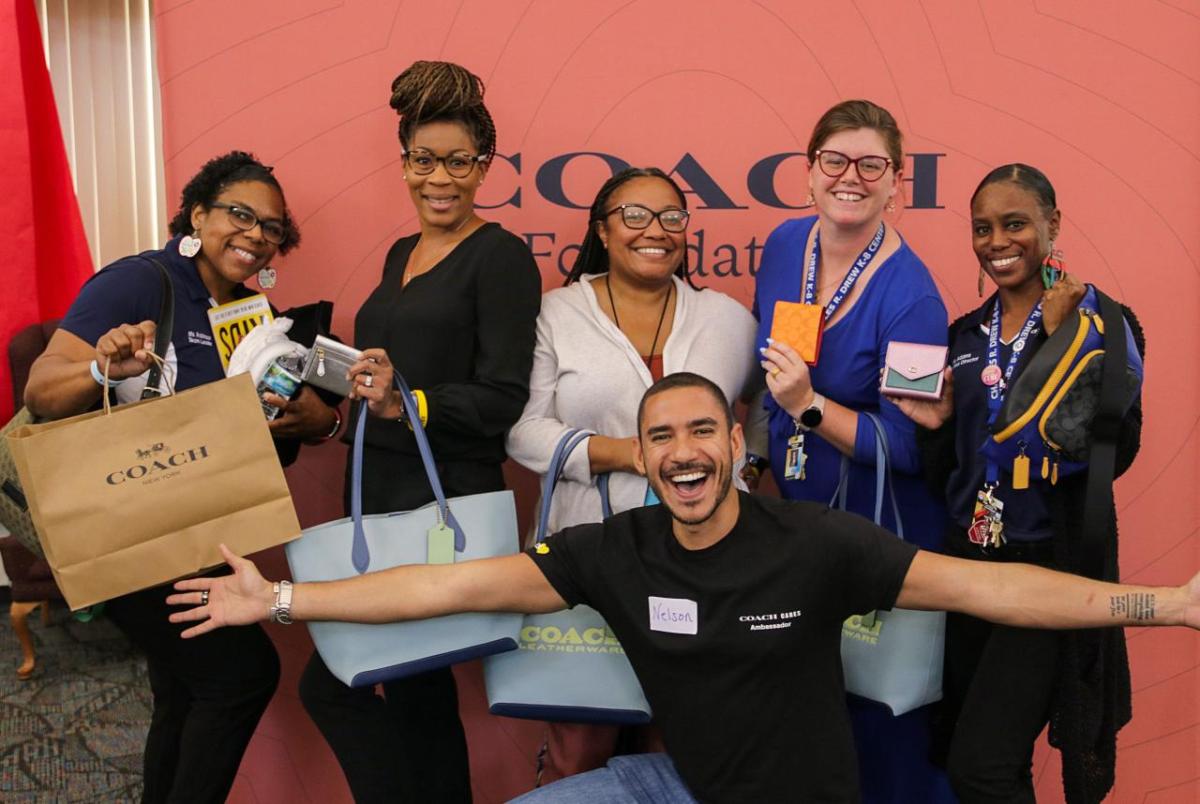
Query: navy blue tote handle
x,y
360,555
558,462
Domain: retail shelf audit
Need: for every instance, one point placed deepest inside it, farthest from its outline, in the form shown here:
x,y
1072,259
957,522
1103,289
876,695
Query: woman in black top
x,y
1003,684
455,315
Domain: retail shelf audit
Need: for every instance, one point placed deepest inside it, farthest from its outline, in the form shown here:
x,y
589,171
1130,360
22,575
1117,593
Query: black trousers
x,y
407,745
209,693
999,681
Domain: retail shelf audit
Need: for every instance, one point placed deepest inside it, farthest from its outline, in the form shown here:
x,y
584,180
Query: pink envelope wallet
x,y
913,370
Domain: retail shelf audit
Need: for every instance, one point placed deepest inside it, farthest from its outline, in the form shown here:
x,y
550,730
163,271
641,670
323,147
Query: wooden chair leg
x,y
20,614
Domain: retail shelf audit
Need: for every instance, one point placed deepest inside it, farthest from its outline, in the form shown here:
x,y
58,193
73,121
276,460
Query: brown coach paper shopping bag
x,y
144,495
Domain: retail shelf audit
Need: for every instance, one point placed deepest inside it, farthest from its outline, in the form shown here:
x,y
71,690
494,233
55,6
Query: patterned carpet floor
x,y
75,730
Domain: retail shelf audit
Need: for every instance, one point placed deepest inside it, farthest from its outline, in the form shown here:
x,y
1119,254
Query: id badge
x,y
986,529
794,460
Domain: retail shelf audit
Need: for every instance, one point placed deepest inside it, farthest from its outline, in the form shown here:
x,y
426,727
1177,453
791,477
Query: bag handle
x,y
159,365
883,477
360,555
1106,427
558,463
163,331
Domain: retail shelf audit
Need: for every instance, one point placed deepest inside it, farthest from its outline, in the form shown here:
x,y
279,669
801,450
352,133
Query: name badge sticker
x,y
673,615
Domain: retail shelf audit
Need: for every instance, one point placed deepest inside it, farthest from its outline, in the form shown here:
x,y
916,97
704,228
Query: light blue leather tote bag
x,y
570,666
892,657
482,525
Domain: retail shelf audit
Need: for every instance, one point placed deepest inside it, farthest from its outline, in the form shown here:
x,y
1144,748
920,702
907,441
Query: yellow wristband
x,y
422,408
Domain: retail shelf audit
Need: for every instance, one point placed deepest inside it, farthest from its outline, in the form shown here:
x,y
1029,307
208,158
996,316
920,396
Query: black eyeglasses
x,y
458,164
273,231
636,216
834,163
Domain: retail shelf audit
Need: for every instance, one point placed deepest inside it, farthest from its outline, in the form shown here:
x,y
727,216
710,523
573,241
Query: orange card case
x,y
800,326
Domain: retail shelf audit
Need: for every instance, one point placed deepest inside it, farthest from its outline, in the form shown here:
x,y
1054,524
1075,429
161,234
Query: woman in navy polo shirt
x,y
232,221
1003,684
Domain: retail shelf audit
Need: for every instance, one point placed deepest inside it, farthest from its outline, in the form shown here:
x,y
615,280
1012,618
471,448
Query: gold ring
x,y
775,372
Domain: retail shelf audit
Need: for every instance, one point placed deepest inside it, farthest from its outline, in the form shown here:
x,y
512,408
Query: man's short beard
x,y
726,481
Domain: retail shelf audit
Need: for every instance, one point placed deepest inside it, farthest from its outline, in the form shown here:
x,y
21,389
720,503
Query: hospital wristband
x,y
98,376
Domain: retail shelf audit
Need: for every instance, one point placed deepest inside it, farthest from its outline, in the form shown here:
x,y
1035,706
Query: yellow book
x,y
230,323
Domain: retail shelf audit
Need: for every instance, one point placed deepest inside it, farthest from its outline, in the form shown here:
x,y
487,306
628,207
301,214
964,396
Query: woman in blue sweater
x,y
875,290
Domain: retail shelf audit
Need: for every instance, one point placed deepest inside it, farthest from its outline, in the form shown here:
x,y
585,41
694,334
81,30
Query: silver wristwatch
x,y
812,416
281,610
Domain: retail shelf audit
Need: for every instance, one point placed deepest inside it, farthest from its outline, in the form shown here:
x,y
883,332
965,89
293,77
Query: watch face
x,y
811,417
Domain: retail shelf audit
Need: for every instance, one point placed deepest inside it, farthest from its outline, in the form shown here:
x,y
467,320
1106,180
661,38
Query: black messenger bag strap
x,y
1106,428
164,326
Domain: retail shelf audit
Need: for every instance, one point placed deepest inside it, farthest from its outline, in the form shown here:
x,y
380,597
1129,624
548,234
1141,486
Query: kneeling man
x,y
729,607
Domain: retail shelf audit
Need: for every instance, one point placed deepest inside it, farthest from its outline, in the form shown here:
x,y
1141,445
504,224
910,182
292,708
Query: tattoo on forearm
x,y
1134,605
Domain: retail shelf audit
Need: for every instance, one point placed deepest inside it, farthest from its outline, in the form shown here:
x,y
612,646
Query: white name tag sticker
x,y
674,615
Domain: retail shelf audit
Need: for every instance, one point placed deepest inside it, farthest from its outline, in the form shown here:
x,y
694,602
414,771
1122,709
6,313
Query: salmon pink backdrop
x,y
1101,94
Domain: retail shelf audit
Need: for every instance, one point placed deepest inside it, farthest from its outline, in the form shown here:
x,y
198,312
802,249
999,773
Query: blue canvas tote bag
x,y
483,526
569,666
891,657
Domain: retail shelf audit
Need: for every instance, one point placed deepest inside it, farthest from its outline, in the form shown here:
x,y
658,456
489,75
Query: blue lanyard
x,y
860,265
996,390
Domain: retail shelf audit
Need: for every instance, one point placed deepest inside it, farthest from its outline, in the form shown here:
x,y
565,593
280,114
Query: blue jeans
x,y
636,779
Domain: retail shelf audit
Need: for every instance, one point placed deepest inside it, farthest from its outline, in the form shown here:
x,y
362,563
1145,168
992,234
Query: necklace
x,y
661,316
438,255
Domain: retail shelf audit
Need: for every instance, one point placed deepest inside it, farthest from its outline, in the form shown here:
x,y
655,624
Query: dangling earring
x,y
891,206
266,278
189,246
981,275
810,201
1053,267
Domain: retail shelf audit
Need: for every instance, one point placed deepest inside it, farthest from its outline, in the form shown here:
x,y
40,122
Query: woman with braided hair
x,y
454,314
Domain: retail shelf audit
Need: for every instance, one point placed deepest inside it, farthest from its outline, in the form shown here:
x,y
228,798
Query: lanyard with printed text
x,y
996,380
860,265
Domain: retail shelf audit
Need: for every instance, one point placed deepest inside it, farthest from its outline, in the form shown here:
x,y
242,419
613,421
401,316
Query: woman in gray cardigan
x,y
627,316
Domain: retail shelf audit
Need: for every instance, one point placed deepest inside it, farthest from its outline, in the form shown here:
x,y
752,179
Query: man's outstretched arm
x,y
510,583
1026,596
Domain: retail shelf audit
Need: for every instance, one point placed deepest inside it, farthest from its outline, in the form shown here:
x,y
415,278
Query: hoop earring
x,y
981,276
189,246
266,278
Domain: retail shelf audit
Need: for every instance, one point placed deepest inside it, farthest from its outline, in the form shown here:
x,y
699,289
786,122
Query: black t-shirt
x,y
463,333
746,682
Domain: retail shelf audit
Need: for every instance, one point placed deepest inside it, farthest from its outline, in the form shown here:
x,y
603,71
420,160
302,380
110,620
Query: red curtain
x,y
44,255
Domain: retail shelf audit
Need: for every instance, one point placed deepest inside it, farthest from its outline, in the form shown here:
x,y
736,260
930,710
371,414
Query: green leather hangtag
x,y
441,544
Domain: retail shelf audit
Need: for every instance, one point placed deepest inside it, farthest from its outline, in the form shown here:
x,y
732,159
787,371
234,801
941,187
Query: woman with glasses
x,y
454,314
873,290
627,315
1004,684
231,223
